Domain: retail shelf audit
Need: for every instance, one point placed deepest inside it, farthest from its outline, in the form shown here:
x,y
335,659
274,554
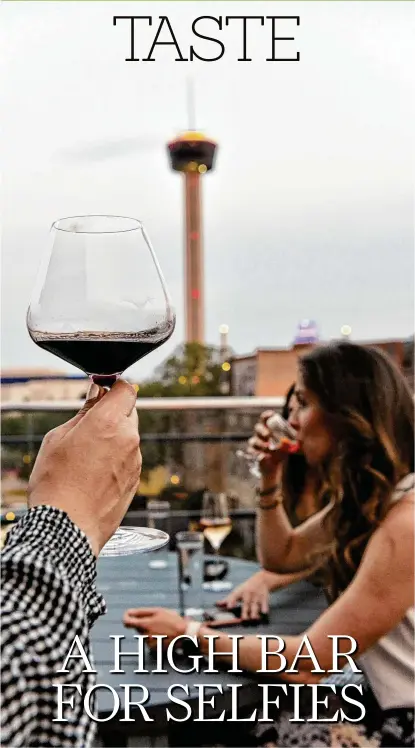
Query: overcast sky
x,y
309,212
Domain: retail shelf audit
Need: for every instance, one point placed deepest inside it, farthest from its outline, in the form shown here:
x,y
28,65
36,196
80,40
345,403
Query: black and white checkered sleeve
x,y
49,597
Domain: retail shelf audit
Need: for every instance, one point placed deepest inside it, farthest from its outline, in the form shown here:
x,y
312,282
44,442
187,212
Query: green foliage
x,y
194,370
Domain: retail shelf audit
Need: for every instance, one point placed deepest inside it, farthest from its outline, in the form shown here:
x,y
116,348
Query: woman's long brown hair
x,y
369,410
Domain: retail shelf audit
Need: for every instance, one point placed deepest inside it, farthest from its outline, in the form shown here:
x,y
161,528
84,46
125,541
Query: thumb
x,y
121,398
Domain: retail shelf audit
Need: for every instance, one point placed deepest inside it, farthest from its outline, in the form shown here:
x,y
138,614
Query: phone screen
x,y
213,614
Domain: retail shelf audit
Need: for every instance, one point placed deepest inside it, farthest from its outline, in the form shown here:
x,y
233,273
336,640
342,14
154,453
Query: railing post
x,y
29,439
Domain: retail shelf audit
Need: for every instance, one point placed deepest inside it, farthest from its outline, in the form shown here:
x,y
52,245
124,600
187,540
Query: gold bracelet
x,y
268,491
273,504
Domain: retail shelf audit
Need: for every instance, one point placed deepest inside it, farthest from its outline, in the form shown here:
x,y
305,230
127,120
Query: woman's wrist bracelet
x,y
273,505
268,491
264,505
192,628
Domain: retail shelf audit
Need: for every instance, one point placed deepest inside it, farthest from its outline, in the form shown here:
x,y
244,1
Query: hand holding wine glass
x,y
92,479
216,525
272,441
101,303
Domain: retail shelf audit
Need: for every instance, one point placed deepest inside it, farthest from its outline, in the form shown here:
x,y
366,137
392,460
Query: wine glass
x,y
101,303
216,525
281,431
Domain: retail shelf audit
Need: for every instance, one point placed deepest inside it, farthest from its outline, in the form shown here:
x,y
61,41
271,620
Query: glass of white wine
x,y
216,525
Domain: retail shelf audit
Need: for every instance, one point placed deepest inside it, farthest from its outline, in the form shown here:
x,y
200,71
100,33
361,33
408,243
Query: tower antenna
x,y
191,109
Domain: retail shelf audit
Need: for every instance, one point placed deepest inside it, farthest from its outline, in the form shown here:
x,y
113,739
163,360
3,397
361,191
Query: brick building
x,y
269,372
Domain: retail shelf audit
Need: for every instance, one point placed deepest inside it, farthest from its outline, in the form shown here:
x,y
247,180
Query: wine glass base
x,y
127,541
251,462
218,586
255,471
105,381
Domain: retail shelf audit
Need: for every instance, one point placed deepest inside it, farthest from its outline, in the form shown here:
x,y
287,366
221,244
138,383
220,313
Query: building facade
x,y
33,385
269,372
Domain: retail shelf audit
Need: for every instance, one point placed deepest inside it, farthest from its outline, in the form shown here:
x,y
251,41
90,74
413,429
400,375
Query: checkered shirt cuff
x,y
47,534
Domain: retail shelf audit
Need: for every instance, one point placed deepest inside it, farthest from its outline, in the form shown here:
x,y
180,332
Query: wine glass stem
x,y
104,381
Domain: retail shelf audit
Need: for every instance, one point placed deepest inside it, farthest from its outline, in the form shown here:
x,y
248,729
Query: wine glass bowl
x,y
281,431
100,302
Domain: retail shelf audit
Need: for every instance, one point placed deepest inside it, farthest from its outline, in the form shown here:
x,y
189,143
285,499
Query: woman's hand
x,y
261,446
155,622
253,594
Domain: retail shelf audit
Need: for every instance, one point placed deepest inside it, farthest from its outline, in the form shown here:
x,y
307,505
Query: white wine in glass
x,y
216,525
215,531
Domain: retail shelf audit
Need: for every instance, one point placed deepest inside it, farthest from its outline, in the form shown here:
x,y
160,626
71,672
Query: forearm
x,y
249,649
257,655
373,604
48,574
274,530
276,581
281,548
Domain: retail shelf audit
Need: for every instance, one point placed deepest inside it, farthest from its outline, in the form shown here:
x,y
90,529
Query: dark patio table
x,y
128,582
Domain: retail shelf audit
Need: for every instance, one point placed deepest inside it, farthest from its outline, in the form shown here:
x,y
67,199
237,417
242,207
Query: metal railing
x,y
188,444
156,403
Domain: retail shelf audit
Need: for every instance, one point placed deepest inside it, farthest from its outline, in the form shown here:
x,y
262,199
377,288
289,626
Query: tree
x,y
194,370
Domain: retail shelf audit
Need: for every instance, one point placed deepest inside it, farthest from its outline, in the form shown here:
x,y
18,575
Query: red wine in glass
x,y
107,357
101,304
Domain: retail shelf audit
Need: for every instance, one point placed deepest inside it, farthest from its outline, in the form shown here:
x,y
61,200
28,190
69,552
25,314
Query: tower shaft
x,y
194,275
193,154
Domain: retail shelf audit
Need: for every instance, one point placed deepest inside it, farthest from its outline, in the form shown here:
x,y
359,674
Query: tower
x,y
193,154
